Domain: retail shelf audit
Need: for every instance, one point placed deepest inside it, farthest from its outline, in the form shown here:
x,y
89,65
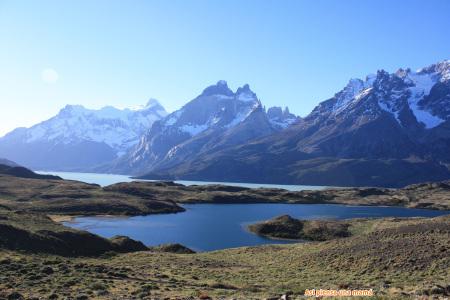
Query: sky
x,y
121,53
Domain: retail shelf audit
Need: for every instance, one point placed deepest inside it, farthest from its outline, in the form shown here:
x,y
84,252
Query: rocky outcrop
x,y
125,244
286,227
173,248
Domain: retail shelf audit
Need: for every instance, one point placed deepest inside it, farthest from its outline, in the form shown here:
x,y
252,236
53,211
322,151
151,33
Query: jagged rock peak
x,y
280,118
70,109
402,73
245,94
439,67
220,88
286,111
442,69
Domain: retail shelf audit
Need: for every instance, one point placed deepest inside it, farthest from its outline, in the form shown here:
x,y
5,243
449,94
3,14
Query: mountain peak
x,y
280,118
439,66
286,111
354,84
152,102
151,105
220,88
73,106
244,89
245,94
402,73
353,87
107,129
70,109
442,68
382,73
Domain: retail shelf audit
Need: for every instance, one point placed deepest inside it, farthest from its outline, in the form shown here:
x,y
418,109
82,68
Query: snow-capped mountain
x,y
400,93
384,130
385,115
216,119
281,118
78,137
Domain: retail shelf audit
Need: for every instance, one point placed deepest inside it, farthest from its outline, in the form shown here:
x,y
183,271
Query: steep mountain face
x,y
281,118
78,138
218,118
385,116
386,130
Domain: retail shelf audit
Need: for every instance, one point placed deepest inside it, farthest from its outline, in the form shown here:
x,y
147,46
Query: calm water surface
x,y
205,227
107,179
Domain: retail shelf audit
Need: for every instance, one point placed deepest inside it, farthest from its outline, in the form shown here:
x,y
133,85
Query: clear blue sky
x,y
294,53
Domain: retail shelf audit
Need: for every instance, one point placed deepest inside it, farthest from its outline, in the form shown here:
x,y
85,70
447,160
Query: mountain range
x,y
388,129
217,119
78,138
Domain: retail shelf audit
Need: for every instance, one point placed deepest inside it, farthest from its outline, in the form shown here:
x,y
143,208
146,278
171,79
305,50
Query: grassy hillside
x,y
41,258
37,233
10,168
396,257
69,197
75,198
425,195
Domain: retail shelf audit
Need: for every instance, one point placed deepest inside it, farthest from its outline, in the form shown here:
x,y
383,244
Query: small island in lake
x,y
286,227
39,256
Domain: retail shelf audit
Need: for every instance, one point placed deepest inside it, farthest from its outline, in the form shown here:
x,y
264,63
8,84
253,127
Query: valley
x,y
224,150
386,130
42,257
397,258
68,197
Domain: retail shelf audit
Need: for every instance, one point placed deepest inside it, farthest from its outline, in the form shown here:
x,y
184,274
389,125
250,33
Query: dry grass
x,y
396,257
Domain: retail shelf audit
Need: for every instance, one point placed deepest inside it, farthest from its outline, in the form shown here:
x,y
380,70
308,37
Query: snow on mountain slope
x,y
394,93
118,128
281,119
217,106
78,137
390,129
218,117
421,87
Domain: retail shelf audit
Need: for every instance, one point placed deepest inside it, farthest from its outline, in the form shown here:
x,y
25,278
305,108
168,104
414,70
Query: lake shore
x,y
434,196
74,198
396,257
50,259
